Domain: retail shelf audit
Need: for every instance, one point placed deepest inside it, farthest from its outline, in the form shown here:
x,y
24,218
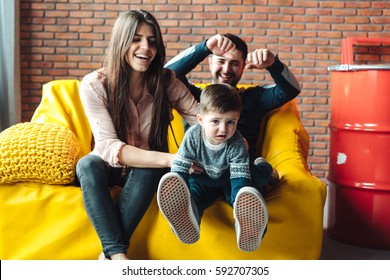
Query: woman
x,y
128,104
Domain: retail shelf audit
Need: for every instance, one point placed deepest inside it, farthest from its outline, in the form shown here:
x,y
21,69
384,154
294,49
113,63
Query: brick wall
x,y
65,39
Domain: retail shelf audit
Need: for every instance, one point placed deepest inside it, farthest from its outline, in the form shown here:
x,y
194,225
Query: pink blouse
x,y
107,144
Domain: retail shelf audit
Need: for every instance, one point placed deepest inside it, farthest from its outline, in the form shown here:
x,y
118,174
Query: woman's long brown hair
x,y
118,81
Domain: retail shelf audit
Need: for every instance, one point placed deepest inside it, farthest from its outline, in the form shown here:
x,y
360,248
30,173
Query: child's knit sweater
x,y
215,159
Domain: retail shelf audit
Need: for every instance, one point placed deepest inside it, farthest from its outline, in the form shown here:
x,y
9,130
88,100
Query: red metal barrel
x,y
359,169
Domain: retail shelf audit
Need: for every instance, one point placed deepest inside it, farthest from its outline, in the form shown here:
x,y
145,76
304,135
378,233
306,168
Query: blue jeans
x,y
204,190
115,222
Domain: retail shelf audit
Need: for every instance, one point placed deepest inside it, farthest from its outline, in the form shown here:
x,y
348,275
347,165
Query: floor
x,y
336,250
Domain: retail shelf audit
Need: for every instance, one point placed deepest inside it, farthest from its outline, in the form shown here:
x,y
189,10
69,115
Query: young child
x,y
215,145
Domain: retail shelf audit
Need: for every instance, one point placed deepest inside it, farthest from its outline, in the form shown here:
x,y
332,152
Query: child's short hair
x,y
221,98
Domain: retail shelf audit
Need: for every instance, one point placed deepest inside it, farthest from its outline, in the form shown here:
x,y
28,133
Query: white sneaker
x,y
251,218
174,201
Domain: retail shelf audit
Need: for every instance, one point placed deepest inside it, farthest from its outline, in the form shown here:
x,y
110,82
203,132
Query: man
x,y
228,57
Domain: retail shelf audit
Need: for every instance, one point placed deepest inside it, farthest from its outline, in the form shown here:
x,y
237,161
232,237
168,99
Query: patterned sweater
x,y
215,159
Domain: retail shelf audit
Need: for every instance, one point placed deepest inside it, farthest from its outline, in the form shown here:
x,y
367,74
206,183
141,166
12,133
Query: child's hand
x,y
196,169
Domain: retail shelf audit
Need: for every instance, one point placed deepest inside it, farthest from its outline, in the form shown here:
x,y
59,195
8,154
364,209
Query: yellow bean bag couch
x,y
45,221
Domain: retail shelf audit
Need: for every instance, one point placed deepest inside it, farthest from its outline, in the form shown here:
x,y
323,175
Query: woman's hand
x,y
141,158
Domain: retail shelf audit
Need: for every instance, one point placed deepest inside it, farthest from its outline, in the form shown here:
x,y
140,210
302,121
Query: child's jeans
x,y
205,190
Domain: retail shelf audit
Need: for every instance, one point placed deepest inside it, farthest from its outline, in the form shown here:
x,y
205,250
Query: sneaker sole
x,y
251,217
173,199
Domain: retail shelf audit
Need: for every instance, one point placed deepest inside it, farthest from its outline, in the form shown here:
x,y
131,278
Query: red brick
x,y
267,10
293,25
280,18
292,11
281,2
318,12
370,28
80,28
42,6
31,57
41,64
179,15
179,30
357,20
191,8
254,16
330,34
92,21
215,23
64,65
381,5
332,4
90,36
57,72
55,57
263,26
331,19
344,12
242,9
92,51
89,65
178,45
358,4
42,50
67,7
215,8
381,20
79,43
78,58
43,21
55,14
306,4
252,31
304,33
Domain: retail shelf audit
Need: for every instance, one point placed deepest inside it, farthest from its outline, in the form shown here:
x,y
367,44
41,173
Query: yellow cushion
x,y
295,205
38,152
61,104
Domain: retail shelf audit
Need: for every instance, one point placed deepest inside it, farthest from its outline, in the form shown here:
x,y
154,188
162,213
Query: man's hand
x,y
260,59
220,45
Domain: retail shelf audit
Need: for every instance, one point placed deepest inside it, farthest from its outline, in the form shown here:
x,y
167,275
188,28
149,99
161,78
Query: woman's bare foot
x,y
102,257
119,256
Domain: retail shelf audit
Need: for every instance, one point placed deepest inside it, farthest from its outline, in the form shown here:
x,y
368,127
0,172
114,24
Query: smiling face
x,y
142,49
228,68
219,127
